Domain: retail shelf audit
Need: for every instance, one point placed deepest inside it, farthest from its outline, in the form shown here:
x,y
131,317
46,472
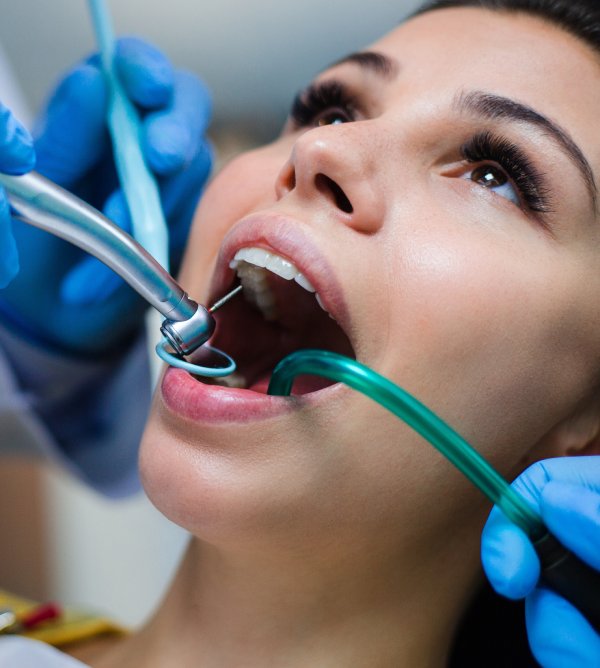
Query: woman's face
x,y
440,198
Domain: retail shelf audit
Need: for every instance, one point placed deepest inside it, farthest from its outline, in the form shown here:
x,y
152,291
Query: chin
x,y
221,488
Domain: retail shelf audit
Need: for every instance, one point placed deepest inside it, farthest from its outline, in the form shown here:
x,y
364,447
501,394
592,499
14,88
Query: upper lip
x,y
286,237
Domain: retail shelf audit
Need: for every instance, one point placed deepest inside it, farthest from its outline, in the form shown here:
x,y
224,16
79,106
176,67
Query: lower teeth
x,y
235,380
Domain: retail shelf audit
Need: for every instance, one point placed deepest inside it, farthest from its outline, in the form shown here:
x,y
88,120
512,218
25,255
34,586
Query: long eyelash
x,y
530,182
319,97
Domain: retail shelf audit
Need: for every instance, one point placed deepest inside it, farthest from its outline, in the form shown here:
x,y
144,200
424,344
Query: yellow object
x,y
72,626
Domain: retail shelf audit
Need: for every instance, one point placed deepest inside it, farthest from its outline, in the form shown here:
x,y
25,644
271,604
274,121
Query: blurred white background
x,y
254,55
60,540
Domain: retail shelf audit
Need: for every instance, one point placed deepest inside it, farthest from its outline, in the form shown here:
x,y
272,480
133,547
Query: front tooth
x,y
281,267
258,257
252,264
304,282
255,256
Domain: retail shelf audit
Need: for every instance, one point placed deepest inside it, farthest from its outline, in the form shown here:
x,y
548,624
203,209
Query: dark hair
x,y
579,17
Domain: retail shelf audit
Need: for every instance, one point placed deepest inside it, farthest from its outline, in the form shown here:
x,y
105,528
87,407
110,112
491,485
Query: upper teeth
x,y
252,264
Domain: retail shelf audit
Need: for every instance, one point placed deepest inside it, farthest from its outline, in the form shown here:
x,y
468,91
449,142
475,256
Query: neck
x,y
228,609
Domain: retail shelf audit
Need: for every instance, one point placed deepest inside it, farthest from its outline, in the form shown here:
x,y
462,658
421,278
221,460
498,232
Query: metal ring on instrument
x,y
210,372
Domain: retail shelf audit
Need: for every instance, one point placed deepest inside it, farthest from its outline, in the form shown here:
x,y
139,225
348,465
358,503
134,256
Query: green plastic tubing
x,y
424,421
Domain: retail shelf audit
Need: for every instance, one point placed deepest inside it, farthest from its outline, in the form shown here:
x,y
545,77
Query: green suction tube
x,y
424,421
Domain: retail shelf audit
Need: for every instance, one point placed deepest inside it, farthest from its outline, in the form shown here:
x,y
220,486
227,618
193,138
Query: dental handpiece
x,y
40,202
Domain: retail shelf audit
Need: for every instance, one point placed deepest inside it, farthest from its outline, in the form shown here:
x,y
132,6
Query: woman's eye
x,y
332,117
504,168
495,179
323,103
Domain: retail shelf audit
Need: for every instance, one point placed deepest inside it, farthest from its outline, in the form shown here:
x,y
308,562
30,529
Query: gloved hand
x,y
566,492
16,157
62,297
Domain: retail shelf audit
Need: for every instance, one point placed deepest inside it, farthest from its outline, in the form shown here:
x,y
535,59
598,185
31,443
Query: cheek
x,y
245,185
490,333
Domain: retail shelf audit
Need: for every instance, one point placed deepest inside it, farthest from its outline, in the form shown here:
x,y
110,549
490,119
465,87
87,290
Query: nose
x,y
334,167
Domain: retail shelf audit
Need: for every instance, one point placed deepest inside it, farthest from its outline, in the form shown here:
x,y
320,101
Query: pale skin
x,y
332,535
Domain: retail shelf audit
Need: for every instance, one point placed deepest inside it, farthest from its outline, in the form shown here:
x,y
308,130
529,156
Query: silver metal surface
x,y
42,203
187,335
221,302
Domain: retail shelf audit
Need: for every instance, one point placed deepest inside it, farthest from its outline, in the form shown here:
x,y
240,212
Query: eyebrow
x,y
492,107
372,61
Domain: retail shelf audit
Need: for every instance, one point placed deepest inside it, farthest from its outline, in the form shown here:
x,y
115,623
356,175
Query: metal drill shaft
x,y
217,305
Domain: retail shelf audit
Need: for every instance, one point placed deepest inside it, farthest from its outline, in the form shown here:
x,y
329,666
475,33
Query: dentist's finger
x,y
559,635
572,513
91,281
17,154
173,137
508,557
71,136
146,74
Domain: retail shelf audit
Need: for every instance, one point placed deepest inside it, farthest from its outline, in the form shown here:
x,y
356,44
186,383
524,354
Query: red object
x,y
42,613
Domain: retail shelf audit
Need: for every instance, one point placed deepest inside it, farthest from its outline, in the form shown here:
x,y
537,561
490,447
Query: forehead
x,y
511,54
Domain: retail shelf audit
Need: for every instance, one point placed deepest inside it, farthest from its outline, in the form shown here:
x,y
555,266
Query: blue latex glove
x,y
64,298
16,157
566,492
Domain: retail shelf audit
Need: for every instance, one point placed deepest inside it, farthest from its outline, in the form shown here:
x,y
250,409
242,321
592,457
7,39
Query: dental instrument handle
x,y
139,185
565,573
149,226
40,202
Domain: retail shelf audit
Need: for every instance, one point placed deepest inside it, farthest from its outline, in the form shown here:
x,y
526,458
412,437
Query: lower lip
x,y
191,399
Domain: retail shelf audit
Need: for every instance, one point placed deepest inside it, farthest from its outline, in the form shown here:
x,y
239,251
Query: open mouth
x,y
278,313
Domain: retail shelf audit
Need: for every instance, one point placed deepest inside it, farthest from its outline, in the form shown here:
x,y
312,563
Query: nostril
x,y
286,180
292,180
328,186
